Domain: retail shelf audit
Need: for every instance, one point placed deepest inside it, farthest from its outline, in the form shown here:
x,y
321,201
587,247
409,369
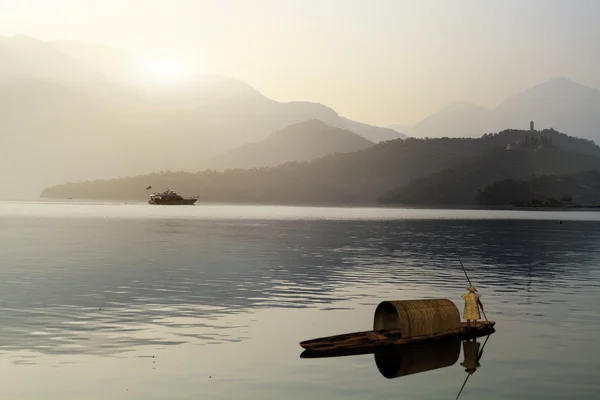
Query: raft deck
x,y
387,337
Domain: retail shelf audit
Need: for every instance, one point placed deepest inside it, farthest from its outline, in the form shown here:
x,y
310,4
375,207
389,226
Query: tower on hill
x,y
531,126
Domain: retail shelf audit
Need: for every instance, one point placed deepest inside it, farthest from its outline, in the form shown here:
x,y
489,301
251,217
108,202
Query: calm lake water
x,y
131,301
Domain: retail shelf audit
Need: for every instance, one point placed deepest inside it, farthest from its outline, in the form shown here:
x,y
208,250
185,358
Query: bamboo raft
x,y
400,323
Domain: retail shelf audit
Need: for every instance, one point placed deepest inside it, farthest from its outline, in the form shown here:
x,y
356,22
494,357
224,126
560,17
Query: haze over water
x,y
128,301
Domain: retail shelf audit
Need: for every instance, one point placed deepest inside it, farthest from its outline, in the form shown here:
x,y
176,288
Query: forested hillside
x,y
579,189
461,185
357,177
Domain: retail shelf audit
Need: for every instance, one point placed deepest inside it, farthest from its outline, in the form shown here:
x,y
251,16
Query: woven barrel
x,y
415,358
417,317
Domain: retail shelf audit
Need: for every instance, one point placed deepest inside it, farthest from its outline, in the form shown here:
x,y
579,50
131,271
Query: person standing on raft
x,y
472,304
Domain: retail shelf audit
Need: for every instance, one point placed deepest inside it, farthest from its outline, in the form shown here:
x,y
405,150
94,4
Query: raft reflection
x,y
408,359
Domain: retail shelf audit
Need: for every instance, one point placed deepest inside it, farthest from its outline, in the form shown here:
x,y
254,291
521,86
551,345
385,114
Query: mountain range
x,y
559,104
71,111
68,113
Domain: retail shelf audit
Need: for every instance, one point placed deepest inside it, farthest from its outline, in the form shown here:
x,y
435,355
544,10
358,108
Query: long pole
x,y
464,270
470,284
483,347
463,386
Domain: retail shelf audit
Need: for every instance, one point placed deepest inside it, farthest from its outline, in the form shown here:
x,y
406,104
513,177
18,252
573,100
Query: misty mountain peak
x,y
551,96
301,141
560,85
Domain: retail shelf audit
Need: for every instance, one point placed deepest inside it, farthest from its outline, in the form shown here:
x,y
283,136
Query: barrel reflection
x,y
396,361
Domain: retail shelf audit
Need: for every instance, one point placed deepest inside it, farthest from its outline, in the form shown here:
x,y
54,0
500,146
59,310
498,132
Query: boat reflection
x,y
403,360
409,359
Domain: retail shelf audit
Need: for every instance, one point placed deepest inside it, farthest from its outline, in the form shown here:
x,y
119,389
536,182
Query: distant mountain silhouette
x,y
358,177
303,141
66,115
457,120
558,103
26,58
373,133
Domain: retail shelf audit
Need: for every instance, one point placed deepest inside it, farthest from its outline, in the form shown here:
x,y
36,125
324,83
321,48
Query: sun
x,y
165,69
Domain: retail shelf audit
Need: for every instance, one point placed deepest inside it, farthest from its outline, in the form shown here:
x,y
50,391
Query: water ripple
x,y
105,287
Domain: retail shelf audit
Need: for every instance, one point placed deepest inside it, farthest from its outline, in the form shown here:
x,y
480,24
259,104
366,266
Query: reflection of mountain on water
x,y
130,276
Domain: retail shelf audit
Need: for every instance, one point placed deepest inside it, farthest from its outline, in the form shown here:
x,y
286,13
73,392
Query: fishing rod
x,y
470,284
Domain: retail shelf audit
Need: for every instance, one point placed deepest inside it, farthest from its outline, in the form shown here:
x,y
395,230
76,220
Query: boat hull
x,y
367,340
182,202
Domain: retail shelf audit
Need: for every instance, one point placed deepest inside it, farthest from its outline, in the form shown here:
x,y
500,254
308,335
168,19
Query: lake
x,y
105,300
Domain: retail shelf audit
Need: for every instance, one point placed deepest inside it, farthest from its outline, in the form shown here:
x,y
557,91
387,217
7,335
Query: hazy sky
x,y
377,61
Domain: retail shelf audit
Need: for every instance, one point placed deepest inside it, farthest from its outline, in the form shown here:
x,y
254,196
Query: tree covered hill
x,y
356,177
303,141
582,188
460,185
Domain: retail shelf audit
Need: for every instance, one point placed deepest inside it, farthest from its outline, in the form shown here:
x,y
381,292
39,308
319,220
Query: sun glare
x,y
166,69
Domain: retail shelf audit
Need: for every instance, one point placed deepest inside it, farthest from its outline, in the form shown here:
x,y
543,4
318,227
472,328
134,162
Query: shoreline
x,y
335,205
